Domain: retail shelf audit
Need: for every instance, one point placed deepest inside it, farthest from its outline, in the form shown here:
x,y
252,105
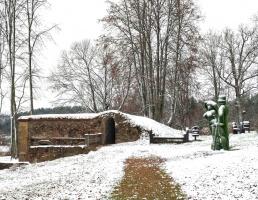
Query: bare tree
x,y
232,58
73,77
212,61
92,76
34,39
184,48
10,16
148,28
21,34
2,60
116,68
241,51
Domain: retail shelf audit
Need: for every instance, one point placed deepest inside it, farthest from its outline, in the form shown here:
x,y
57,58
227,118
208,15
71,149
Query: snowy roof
x,y
60,116
144,122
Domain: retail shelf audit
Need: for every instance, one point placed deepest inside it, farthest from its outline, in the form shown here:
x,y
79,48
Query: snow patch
x,y
202,173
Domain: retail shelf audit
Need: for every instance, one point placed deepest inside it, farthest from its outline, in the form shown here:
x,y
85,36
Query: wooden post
x,y
87,140
186,135
151,137
23,141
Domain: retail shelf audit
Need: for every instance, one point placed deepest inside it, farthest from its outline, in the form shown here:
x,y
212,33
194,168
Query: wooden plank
x,y
172,138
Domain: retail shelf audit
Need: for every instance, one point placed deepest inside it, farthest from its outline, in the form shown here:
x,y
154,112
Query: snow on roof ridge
x,y
68,116
144,122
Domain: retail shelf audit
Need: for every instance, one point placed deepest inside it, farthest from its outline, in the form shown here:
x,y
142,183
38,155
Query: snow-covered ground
x,y
4,148
202,173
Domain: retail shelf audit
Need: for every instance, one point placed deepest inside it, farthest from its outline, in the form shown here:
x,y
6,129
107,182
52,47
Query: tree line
x,y
153,61
142,63
150,60
5,124
196,111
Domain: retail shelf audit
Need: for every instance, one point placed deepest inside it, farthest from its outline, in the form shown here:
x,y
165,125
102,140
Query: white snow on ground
x,y
4,148
202,173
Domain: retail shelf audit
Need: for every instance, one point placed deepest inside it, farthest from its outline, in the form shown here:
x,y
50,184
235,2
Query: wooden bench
x,y
159,139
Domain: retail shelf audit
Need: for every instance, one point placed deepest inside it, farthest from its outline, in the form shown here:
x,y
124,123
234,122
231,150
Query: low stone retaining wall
x,y
50,152
48,137
9,165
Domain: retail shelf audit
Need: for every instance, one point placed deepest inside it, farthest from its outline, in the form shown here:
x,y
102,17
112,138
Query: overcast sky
x,y
78,20
222,13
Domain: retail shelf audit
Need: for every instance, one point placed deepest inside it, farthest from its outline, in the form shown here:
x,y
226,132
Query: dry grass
x,y
144,179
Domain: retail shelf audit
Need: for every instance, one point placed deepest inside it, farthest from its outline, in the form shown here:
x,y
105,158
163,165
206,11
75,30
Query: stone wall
x,y
47,138
63,128
51,152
